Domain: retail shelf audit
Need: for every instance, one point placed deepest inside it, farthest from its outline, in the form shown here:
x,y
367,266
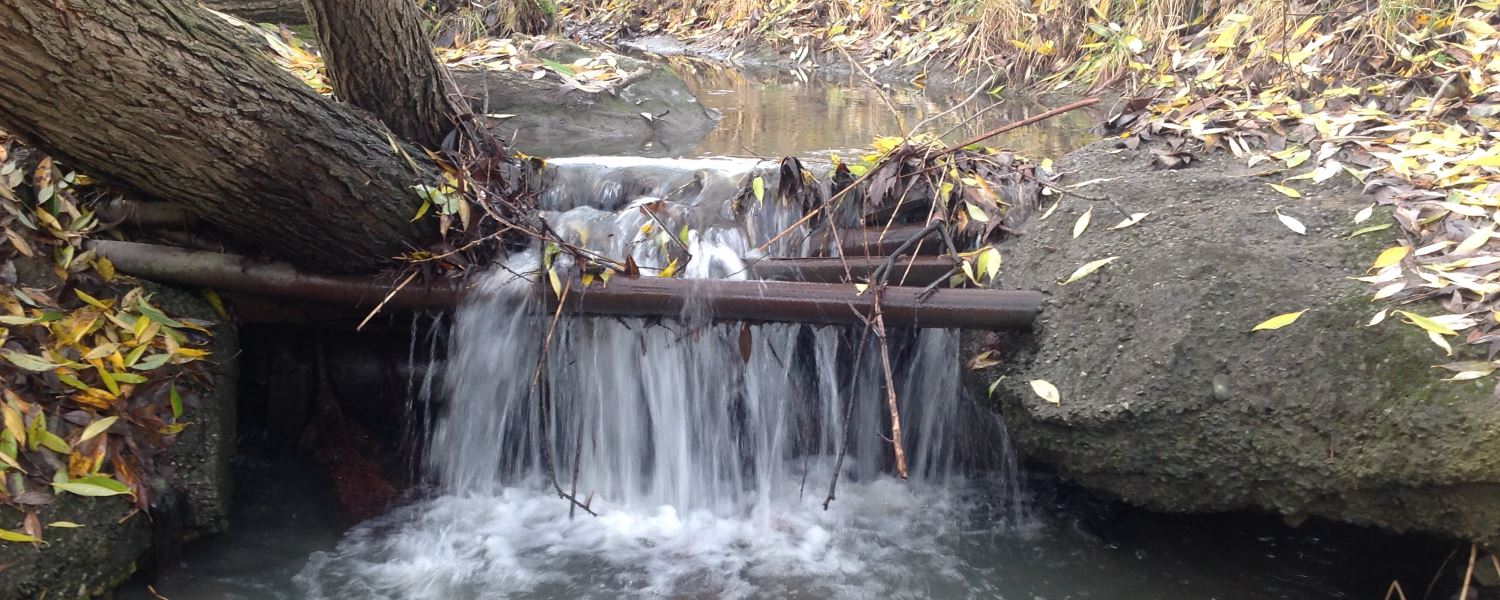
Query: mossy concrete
x,y
1170,402
89,561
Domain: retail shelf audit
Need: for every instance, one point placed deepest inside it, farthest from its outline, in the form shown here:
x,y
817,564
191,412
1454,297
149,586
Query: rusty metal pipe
x,y
781,301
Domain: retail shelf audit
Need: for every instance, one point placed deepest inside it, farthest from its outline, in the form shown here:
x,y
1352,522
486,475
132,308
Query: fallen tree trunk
x,y
166,98
820,303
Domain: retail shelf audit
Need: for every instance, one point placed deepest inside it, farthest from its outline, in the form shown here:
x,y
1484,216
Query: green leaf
x,y
97,427
93,485
135,355
559,68
152,362
15,536
30,362
152,313
176,400
51,442
131,378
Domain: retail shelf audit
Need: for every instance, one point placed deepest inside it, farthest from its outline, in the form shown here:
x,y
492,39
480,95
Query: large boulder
x,y
1170,402
652,114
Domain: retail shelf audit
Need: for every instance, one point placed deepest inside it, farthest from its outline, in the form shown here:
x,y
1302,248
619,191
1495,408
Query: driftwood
x,y
778,301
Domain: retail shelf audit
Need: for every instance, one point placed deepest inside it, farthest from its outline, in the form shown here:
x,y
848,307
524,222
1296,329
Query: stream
x,y
707,449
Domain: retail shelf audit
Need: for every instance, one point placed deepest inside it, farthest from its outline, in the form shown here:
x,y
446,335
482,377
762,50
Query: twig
x,y
539,383
838,463
877,324
387,298
1469,573
577,460
1021,123
1107,199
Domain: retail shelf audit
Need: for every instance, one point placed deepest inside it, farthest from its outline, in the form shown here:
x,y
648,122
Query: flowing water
x,y
707,449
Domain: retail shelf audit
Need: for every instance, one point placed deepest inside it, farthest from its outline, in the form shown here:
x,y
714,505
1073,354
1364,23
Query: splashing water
x,y
705,448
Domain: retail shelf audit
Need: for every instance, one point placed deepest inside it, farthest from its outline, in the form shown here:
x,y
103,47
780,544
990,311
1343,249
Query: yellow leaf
x,y
1046,390
1390,256
1083,222
988,263
64,524
556,283
758,185
670,270
1087,269
1426,323
1286,190
968,270
13,423
1279,321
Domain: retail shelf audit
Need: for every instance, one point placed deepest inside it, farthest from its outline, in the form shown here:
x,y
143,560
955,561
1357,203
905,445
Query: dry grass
x,y
1091,42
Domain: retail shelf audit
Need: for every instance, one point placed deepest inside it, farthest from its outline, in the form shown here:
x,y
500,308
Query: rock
x,y
548,119
1168,400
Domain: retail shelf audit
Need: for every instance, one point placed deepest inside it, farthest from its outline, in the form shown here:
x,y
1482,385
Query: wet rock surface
x,y
653,114
1170,402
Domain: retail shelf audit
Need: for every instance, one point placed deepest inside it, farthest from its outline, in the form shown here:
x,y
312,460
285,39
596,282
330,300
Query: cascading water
x,y
705,448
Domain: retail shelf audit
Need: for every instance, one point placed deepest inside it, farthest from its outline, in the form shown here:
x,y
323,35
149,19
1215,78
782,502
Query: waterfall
x,y
706,448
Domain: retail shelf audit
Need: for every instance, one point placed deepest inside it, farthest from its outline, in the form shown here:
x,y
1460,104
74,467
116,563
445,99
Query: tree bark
x,y
289,12
166,98
378,59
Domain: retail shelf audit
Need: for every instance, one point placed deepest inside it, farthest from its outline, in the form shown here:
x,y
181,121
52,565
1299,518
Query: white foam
x,y
875,538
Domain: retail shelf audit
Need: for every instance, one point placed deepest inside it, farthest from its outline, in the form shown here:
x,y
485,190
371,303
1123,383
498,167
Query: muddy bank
x,y
1170,402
